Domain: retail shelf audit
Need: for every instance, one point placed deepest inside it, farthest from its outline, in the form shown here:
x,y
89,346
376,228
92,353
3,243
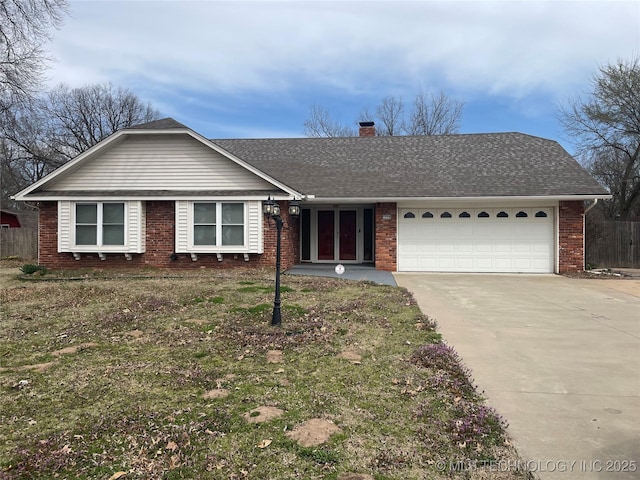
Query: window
x,y
502,214
464,215
541,214
521,214
427,215
409,215
445,215
204,224
483,215
99,224
218,224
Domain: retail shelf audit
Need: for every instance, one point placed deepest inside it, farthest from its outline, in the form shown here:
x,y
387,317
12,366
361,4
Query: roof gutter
x,y
455,199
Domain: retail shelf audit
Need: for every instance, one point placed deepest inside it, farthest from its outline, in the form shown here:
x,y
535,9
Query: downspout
x,y
584,231
595,202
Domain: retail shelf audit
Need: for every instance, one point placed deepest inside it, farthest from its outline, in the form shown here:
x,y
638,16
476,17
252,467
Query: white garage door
x,y
476,240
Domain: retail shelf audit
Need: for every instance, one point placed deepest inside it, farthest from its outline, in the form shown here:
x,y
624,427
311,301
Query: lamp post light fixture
x,y
272,210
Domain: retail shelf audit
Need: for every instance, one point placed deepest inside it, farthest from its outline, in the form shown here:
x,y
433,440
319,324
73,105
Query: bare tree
x,y
320,124
605,129
390,116
39,137
434,114
25,26
431,115
25,155
81,117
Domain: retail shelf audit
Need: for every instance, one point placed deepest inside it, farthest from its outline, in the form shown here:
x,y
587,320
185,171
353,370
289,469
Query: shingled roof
x,y
162,124
474,165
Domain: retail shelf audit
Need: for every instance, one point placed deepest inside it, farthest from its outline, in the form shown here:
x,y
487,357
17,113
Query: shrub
x,y
30,269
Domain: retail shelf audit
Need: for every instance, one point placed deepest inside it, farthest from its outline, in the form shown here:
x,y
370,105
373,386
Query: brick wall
x,y
48,234
571,236
290,240
160,242
386,236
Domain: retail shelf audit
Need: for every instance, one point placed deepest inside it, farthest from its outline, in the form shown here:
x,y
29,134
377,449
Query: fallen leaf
x,y
264,443
117,475
171,445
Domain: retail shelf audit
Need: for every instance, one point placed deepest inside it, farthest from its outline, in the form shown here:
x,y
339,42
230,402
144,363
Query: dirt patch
x,y
313,432
135,334
198,321
262,414
274,356
36,367
216,393
73,349
355,476
352,356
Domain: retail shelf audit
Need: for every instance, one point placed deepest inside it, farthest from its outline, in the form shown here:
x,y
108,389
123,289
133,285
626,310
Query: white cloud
x,y
176,48
230,46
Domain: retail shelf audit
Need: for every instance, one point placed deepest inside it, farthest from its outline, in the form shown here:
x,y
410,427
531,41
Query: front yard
x,y
180,375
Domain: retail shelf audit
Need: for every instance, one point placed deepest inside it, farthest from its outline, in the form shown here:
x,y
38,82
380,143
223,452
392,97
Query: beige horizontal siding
x,y
159,162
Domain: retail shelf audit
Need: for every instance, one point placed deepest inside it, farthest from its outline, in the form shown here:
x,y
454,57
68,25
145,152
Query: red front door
x,y
345,224
348,235
326,235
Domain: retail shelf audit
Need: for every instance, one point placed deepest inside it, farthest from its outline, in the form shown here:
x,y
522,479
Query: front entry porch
x,y
357,272
337,234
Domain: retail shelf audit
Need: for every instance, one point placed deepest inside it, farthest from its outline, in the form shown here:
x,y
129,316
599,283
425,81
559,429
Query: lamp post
x,y
272,210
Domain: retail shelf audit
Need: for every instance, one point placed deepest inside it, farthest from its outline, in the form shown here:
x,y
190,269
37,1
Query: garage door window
x,y
541,214
483,215
445,215
521,214
427,215
503,215
464,215
409,215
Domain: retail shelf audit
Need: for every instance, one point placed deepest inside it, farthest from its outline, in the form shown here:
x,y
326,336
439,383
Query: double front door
x,y
337,235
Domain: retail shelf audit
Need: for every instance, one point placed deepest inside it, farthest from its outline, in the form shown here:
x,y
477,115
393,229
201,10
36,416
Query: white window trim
x,y
99,237
244,248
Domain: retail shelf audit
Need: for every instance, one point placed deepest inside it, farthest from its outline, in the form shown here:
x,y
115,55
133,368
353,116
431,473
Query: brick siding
x,y
160,231
571,236
160,244
386,236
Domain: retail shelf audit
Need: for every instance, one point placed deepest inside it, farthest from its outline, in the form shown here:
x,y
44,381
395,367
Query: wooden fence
x,y
19,242
610,244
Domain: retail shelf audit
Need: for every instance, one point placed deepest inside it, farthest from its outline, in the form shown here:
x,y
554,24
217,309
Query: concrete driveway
x,y
558,357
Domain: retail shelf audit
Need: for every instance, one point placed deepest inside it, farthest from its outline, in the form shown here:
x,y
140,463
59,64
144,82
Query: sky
x,y
241,69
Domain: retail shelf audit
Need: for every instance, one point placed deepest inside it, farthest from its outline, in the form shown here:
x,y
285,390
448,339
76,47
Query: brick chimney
x,y
367,129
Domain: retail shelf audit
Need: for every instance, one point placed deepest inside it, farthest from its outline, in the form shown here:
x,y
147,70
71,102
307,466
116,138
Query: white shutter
x,y
182,226
135,230
64,226
254,226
